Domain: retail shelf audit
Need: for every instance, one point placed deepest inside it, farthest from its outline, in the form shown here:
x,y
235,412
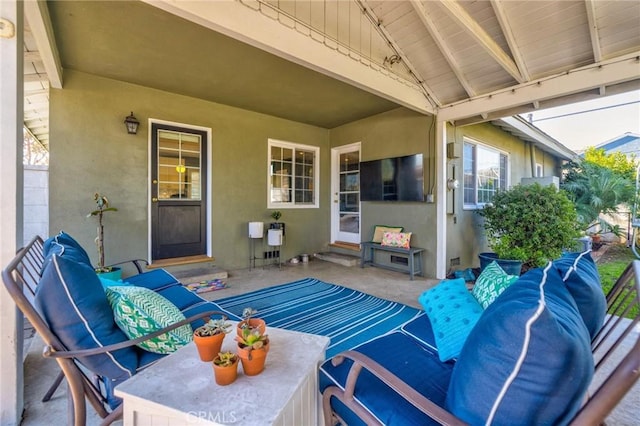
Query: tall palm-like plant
x,y
596,190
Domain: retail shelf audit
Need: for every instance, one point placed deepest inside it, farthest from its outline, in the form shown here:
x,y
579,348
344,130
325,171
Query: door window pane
x,y
179,165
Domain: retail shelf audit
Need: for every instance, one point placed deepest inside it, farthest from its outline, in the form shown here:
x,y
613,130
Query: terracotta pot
x,y
225,375
253,360
208,346
253,323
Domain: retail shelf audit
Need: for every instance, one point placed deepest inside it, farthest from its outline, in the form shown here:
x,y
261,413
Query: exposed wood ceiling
x,y
331,62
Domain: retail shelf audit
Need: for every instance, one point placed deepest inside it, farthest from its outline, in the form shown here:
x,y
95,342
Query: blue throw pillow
x,y
580,275
453,312
64,244
528,359
73,303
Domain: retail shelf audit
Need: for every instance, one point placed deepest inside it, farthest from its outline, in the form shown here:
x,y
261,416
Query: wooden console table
x,y
413,255
181,390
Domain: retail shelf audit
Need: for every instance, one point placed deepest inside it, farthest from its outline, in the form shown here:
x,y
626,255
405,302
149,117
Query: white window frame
x,y
479,145
316,176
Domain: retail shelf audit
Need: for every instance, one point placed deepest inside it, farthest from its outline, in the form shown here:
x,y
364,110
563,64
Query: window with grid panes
x,y
293,175
484,173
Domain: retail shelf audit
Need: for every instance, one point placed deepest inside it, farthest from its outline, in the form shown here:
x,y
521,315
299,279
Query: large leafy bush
x,y
530,223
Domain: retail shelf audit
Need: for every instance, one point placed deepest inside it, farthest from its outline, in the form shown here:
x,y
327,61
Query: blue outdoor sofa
x,y
528,360
54,284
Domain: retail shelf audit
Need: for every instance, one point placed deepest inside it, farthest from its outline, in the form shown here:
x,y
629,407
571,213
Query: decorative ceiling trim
x,y
619,70
250,26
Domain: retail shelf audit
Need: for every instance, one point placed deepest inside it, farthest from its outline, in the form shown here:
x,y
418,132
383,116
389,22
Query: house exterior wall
x,y
394,134
91,152
465,233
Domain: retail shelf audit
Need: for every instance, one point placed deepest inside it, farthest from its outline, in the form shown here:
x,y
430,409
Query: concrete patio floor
x,y
40,372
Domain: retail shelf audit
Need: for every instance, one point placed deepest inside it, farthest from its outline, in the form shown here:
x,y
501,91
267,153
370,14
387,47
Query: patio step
x,y
196,275
339,258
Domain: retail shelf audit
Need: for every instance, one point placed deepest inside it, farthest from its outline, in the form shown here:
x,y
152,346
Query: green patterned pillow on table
x,y
139,311
491,283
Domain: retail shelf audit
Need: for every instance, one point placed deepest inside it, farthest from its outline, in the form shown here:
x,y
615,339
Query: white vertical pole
x,y
441,198
11,119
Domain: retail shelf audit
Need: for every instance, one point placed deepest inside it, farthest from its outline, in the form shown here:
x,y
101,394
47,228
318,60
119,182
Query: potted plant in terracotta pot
x,y
208,338
225,368
253,347
248,321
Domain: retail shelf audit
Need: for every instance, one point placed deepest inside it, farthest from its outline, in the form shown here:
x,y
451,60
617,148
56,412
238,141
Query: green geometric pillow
x,y
491,283
139,311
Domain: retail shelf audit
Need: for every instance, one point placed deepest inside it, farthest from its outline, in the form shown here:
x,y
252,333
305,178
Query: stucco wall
x,y
466,236
393,134
91,151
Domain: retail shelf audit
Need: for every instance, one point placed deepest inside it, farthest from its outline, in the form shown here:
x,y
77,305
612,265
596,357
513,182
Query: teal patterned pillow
x,y
139,311
453,312
491,283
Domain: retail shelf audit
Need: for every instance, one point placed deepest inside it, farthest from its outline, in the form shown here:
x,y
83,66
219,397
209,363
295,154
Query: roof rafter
x,y
431,27
459,14
593,30
37,14
507,30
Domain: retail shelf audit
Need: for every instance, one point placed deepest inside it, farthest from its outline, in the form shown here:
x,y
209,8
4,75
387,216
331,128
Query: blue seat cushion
x,y
420,329
406,358
181,297
528,359
65,245
580,275
73,303
153,280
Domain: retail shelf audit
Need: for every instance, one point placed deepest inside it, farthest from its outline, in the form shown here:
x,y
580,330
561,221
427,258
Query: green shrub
x,y
530,223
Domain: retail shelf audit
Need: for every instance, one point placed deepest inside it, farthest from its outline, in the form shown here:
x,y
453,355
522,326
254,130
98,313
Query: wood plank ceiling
x,y
467,61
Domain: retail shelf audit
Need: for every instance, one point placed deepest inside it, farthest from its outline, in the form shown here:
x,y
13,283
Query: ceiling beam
x,y
507,30
625,68
431,27
593,30
37,15
238,21
458,14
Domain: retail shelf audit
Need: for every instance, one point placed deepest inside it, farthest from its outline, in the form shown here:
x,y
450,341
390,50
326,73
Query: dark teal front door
x,y
178,192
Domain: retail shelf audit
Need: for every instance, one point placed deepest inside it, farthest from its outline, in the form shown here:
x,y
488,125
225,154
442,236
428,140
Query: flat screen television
x,y
392,179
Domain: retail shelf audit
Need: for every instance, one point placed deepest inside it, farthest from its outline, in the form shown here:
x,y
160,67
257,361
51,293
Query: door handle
x,y
154,200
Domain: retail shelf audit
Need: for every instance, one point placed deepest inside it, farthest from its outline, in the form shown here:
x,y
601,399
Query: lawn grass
x,y
611,265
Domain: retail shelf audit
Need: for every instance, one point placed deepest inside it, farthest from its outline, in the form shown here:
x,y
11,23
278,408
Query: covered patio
x,y
320,65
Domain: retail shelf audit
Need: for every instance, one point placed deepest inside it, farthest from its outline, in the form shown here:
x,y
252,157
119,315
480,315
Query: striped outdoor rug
x,y
348,317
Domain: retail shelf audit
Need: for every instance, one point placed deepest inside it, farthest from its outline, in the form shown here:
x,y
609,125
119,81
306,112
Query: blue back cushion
x,y
528,360
73,303
64,244
580,275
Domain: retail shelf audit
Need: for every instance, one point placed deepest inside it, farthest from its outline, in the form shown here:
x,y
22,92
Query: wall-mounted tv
x,y
392,179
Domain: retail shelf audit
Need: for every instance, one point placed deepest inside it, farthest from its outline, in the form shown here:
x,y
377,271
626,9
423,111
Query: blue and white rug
x,y
348,317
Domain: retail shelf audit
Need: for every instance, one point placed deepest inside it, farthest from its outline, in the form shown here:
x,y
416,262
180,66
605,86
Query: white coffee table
x,y
180,389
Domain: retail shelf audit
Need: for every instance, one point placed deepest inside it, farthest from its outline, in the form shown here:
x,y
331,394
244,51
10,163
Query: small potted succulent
x,y
208,338
253,347
248,321
225,368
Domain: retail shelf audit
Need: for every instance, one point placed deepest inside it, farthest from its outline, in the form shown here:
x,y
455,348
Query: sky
x,y
584,127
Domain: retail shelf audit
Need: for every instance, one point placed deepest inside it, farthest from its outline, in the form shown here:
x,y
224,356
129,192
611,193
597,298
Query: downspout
x,y
532,157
